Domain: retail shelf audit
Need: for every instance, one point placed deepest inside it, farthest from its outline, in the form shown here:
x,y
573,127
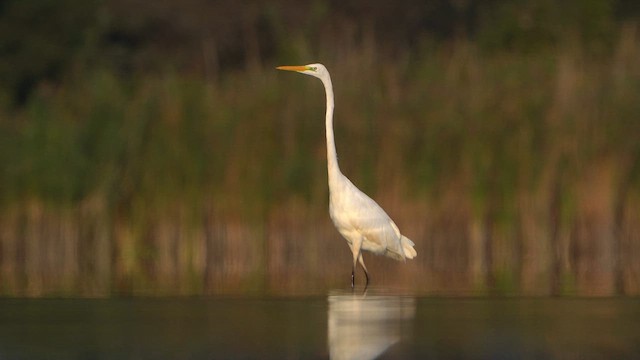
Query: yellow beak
x,y
292,68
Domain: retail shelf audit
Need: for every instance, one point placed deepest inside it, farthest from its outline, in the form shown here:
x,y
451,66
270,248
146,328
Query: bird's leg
x,y
353,278
366,273
355,248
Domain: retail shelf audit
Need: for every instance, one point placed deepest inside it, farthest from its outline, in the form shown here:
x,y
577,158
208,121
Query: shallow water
x,y
341,325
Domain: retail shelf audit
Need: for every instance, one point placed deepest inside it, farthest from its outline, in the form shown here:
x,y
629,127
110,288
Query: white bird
x,y
359,219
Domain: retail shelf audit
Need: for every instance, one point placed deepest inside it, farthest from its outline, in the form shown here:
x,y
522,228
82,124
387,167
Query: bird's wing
x,y
366,216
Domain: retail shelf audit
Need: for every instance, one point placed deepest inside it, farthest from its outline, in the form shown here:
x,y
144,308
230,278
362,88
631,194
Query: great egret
x,y
359,219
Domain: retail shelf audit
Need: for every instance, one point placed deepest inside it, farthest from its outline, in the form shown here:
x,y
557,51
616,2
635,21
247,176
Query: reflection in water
x,y
365,326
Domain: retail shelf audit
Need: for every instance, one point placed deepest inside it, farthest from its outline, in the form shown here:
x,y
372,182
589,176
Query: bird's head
x,y
317,70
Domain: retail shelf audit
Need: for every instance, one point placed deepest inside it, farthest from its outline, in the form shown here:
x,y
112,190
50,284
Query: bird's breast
x,y
340,215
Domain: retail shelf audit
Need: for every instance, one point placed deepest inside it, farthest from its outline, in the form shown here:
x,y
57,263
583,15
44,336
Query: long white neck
x,y
332,157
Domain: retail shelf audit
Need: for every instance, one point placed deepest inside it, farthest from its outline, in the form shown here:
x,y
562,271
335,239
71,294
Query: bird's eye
x,y
313,68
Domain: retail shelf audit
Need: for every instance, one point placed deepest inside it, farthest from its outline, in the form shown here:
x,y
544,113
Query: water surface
x,y
340,325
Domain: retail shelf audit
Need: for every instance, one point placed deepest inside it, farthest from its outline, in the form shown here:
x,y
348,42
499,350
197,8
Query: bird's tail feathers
x,y
408,252
394,255
407,247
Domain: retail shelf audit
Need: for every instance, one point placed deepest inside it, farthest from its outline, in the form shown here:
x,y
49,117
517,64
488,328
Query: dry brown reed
x,y
513,174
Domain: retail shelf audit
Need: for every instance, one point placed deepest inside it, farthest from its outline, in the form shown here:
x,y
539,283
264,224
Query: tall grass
x,y
513,173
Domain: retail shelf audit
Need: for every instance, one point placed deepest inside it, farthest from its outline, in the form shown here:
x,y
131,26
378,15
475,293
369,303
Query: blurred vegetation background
x,y
151,148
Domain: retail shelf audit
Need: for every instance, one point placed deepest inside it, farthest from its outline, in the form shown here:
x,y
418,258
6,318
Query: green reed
x,y
513,172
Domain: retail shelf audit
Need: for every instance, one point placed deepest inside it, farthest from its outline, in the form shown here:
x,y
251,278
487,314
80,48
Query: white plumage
x,y
360,220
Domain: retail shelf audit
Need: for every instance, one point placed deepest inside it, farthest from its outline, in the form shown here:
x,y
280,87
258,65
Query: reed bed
x,y
513,173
